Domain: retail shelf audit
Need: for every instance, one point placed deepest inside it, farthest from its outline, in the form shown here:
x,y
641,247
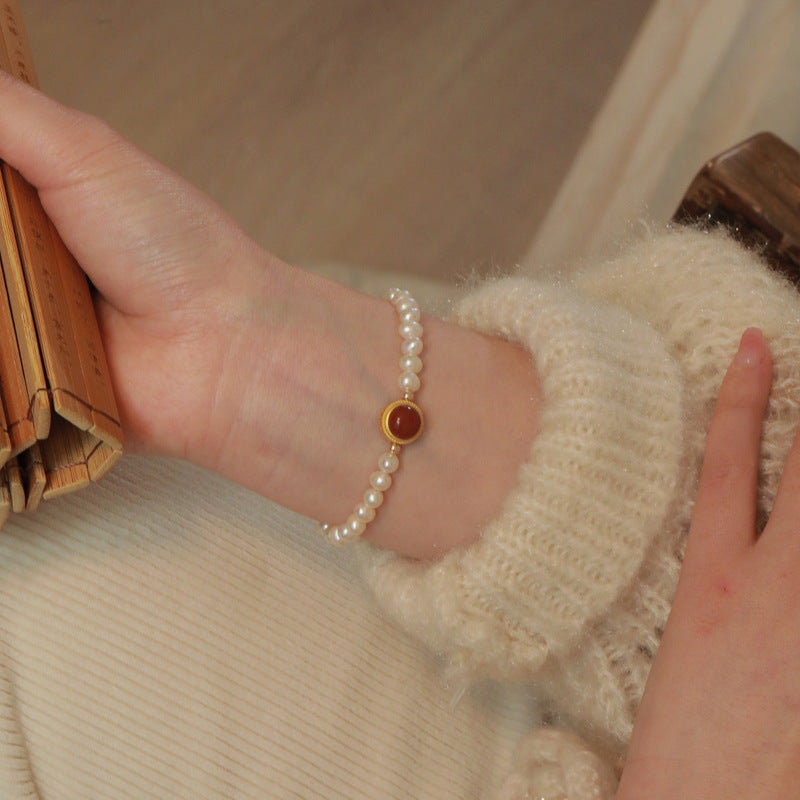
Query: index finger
x,y
724,519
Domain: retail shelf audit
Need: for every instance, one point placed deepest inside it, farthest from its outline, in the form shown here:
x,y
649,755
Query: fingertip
x,y
748,379
752,351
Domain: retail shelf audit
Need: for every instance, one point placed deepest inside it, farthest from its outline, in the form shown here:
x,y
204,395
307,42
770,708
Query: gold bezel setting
x,y
393,437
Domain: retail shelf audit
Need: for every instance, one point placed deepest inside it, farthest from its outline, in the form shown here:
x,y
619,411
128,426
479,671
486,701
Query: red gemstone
x,y
404,422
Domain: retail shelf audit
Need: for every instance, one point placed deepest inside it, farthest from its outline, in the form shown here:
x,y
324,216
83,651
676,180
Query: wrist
x,y
302,372
480,396
308,371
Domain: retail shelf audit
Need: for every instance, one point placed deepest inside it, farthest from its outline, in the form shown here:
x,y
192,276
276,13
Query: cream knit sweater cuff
x,y
571,536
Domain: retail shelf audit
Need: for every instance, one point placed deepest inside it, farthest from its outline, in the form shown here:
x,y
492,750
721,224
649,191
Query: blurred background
x,y
423,136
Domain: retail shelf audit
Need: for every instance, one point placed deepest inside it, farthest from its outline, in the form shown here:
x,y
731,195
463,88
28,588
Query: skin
x,y
224,355
720,717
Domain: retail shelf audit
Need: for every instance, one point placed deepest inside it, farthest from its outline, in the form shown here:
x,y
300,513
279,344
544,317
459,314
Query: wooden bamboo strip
x,y
5,499
34,475
18,57
24,384
101,458
64,459
16,489
17,426
48,300
10,378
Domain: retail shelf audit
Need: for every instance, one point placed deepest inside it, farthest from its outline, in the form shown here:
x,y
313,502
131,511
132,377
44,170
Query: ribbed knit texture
x,y
168,636
570,587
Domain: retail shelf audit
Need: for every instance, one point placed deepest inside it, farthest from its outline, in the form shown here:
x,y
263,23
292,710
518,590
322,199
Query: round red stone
x,y
404,422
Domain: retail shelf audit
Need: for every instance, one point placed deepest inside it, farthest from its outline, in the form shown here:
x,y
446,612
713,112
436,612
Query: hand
x,y
720,717
222,354
172,271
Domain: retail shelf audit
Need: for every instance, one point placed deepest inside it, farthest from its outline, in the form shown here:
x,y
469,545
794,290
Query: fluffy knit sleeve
x,y
601,474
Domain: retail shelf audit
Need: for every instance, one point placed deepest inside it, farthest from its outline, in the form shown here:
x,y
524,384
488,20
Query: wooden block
x,y
754,190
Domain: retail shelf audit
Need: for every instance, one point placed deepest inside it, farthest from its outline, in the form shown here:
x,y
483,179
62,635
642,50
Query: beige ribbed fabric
x,y
168,635
570,587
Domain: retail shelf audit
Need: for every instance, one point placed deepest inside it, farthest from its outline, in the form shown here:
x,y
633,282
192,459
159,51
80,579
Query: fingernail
x,y
751,348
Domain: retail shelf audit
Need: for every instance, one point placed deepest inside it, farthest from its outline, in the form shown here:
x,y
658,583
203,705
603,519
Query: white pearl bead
x,y
373,498
380,480
412,315
411,347
395,294
410,329
388,462
336,535
411,364
409,382
406,304
365,512
355,526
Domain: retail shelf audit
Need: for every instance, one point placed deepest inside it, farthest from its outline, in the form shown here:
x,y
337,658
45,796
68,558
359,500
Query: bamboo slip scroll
x,y
59,425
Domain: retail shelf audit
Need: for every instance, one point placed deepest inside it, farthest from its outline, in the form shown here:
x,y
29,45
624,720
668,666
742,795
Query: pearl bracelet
x,y
401,422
